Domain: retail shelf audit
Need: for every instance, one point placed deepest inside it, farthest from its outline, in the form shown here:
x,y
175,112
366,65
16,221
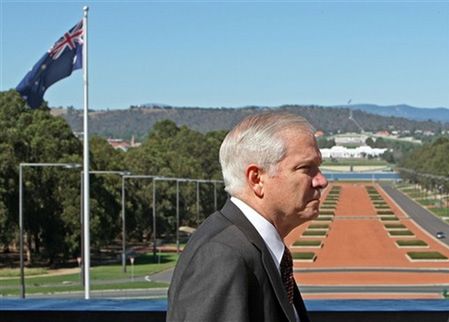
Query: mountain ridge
x,y
138,120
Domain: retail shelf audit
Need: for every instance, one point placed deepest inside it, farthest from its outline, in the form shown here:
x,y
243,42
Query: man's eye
x,y
308,169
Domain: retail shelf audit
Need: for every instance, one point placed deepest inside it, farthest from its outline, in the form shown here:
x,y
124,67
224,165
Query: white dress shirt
x,y
268,233
265,229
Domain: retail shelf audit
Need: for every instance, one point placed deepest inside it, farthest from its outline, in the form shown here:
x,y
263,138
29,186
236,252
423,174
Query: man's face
x,y
292,192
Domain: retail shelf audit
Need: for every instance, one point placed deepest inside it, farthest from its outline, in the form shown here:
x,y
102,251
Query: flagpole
x,y
86,234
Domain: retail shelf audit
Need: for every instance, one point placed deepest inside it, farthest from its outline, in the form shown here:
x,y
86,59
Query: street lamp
x,y
177,206
152,177
161,178
106,172
178,180
21,166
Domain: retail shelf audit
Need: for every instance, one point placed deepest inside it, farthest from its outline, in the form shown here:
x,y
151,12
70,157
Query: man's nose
x,y
319,181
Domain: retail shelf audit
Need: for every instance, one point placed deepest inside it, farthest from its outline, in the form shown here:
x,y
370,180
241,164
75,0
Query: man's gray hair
x,y
256,139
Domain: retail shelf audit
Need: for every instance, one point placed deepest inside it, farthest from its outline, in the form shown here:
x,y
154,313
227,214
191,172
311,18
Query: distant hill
x,y
439,114
139,120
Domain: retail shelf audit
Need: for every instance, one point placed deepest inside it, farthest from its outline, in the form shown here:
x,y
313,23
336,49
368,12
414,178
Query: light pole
x,y
177,205
21,166
106,172
178,180
152,177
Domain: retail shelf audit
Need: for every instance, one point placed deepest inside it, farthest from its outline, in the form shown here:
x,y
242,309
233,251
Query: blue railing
x,y
13,310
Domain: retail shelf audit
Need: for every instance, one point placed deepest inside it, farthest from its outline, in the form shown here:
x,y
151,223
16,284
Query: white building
x,y
341,152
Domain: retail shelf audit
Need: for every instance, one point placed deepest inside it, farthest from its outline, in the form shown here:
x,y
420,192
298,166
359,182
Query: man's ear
x,y
254,179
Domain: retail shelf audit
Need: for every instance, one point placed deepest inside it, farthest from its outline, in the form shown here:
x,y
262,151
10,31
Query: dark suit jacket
x,y
226,273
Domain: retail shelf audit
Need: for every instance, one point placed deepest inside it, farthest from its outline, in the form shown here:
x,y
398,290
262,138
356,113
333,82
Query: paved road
x,y
428,221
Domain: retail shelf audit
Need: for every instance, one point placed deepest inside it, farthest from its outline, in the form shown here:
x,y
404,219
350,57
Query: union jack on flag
x,y
69,40
64,57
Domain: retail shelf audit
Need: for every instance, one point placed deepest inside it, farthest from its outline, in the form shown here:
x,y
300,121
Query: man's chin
x,y
313,209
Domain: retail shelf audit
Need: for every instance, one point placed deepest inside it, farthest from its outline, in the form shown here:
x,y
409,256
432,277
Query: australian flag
x,y
58,63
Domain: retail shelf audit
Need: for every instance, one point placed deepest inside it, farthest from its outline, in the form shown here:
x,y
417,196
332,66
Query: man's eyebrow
x,y
315,159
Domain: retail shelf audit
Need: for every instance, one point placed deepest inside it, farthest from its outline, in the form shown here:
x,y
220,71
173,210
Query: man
x,y
236,266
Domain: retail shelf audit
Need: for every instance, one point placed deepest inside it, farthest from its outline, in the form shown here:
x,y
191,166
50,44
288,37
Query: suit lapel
x,y
233,214
299,305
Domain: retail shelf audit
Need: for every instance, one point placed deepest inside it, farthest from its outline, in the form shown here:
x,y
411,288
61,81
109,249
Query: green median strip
x,y
395,226
314,233
400,233
303,256
307,243
426,256
411,243
391,218
318,226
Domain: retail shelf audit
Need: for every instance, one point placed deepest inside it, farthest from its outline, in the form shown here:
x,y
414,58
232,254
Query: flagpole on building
x,y
86,212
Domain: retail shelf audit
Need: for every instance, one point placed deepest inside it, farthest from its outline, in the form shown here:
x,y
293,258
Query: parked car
x,y
440,235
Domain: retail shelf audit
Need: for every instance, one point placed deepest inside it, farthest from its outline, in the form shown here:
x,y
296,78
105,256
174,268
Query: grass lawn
x,y
385,212
299,243
354,162
314,233
414,194
303,255
413,242
401,233
427,202
395,226
440,211
318,226
102,277
426,255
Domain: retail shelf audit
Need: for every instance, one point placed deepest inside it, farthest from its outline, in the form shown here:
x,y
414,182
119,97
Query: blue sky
x,y
238,53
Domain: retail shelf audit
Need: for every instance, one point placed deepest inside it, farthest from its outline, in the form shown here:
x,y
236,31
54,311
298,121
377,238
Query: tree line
x,y
52,196
139,120
428,165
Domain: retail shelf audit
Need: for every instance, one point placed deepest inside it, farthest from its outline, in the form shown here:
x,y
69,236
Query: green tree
x,y
35,136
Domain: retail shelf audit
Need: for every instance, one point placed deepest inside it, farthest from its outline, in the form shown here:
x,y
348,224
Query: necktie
x,y
287,273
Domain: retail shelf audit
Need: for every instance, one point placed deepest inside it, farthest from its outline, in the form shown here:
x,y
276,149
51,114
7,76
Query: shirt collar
x,y
265,229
